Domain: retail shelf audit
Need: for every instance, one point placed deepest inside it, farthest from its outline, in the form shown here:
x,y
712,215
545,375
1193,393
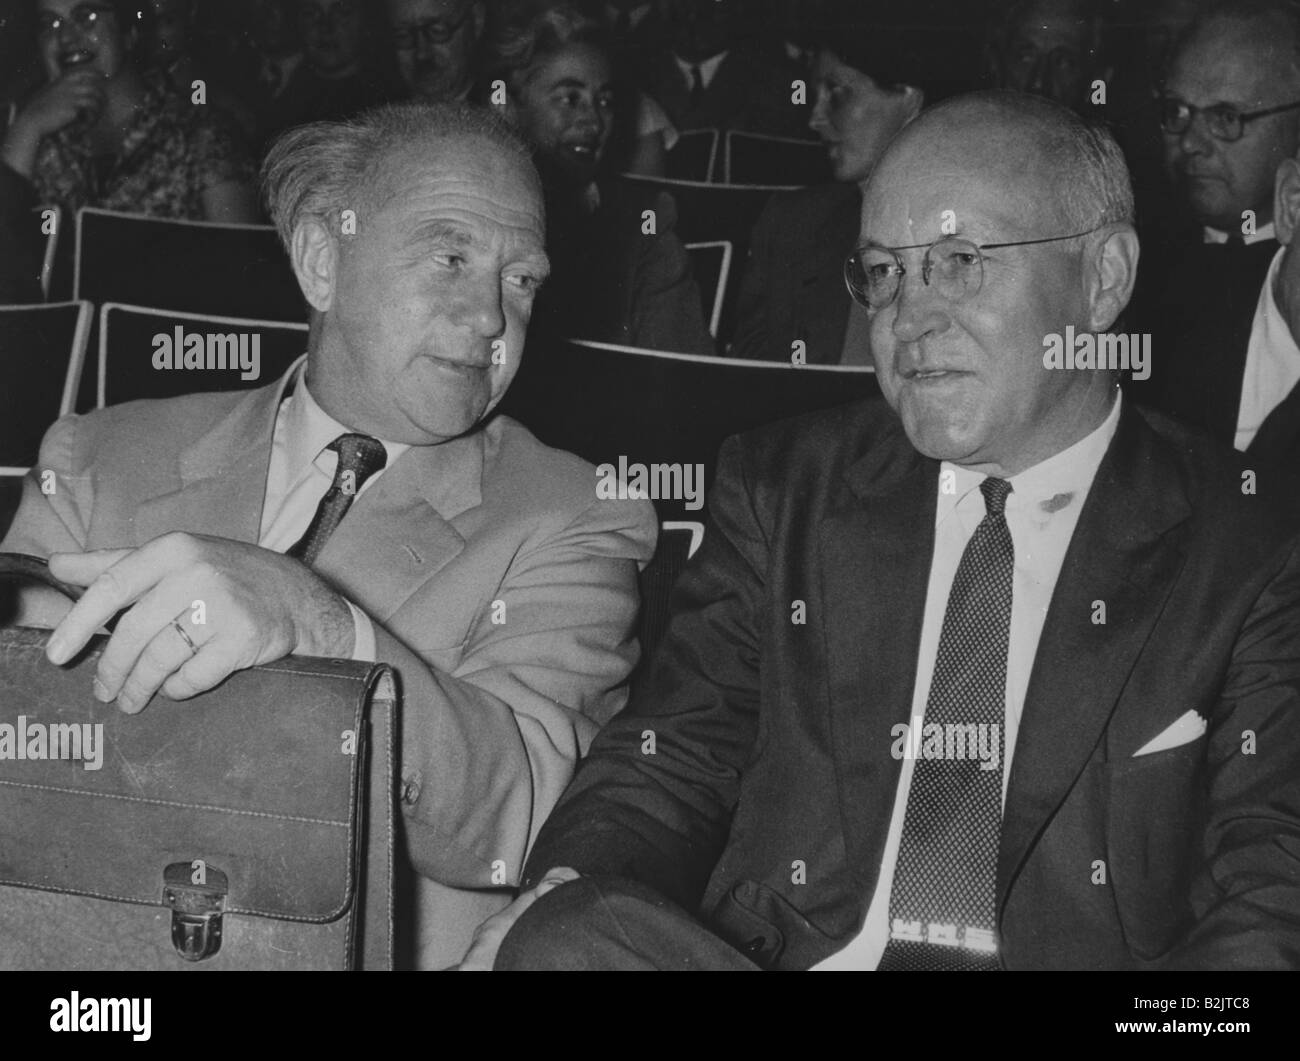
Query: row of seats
x,y
610,404
242,271
737,157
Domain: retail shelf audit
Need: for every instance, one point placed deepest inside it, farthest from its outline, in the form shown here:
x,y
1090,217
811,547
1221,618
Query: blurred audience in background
x,y
436,44
343,69
616,276
1049,48
717,72
1230,112
874,67
107,130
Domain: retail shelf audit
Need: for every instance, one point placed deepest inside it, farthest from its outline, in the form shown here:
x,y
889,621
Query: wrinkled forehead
x,y
463,174
986,182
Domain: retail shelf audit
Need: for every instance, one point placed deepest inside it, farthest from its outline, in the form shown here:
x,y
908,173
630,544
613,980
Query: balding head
x,y
1243,56
963,364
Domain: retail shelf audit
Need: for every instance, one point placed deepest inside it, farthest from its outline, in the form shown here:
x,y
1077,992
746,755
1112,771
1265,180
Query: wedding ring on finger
x,y
176,625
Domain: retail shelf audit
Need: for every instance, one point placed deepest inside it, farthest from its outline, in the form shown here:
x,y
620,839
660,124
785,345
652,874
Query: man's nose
x,y
479,307
425,49
1196,139
70,34
820,118
919,308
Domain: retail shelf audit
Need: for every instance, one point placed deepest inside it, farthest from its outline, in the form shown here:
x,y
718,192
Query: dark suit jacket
x,y
1200,330
773,739
793,286
613,283
751,91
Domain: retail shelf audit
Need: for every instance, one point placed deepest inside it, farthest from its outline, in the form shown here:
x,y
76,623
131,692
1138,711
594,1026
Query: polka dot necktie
x,y
360,456
942,904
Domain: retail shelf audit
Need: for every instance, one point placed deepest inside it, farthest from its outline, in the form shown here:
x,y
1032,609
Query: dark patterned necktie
x,y
360,456
942,903
697,88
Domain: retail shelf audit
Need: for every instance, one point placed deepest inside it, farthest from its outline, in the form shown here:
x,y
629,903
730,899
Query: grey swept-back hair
x,y
318,170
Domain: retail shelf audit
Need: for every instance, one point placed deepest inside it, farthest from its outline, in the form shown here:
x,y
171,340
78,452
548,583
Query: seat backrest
x,y
190,266
151,353
710,212
711,264
753,158
694,156
42,350
49,221
678,542
659,418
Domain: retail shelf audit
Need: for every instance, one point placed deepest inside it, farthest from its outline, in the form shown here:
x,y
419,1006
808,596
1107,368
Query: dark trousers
x,y
608,923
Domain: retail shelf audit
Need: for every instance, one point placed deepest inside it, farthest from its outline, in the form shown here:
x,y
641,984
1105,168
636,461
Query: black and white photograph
x,y
650,485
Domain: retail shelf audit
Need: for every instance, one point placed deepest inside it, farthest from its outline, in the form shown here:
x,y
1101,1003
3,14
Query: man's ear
x,y
315,257
1109,274
1286,200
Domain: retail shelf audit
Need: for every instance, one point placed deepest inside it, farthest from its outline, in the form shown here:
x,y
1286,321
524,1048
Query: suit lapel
x,y
876,543
399,533
1279,434
1120,554
218,484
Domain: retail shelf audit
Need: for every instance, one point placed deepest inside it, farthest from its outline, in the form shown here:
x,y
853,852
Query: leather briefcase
x,y
251,827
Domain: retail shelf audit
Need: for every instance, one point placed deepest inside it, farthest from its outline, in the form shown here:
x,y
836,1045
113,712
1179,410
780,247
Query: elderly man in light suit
x,y
475,560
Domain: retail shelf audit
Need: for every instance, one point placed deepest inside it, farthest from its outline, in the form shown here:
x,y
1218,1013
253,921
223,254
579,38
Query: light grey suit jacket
x,y
494,714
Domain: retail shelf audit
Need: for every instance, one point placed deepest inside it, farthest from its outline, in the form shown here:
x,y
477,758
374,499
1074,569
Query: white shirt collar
x,y
708,68
1046,488
1215,235
309,429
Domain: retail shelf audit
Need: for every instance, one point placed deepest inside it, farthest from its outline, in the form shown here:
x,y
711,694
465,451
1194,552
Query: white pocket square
x,y
1187,729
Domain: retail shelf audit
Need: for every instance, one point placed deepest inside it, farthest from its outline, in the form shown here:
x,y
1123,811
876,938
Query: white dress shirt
x,y
300,473
1042,512
1272,362
1217,235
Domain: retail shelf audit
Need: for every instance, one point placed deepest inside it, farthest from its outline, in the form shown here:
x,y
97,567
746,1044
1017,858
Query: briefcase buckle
x,y
196,893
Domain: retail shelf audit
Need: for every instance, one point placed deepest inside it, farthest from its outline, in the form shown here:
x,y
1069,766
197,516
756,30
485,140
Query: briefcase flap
x,y
248,793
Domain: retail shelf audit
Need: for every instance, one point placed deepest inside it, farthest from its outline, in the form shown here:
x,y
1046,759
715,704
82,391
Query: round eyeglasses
x,y
952,265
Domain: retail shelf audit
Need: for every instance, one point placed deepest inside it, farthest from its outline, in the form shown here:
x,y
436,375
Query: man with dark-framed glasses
x,y
436,44
1230,114
966,679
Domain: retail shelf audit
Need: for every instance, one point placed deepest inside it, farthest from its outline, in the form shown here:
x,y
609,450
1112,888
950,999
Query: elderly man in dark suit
x,y
1004,675
365,505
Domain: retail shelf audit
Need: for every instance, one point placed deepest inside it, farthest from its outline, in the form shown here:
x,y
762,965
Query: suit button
x,y
410,791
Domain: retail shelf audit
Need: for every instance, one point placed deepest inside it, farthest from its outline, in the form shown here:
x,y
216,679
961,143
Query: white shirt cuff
x,y
363,648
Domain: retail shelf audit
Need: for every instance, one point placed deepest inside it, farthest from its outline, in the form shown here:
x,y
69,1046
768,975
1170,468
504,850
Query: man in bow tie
x,y
1000,673
364,506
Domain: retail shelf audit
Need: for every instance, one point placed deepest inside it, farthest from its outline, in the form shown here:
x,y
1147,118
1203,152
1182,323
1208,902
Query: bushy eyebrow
x,y
443,233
